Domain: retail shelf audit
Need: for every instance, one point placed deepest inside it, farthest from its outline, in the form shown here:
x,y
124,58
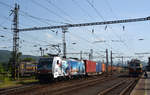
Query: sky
x,y
38,13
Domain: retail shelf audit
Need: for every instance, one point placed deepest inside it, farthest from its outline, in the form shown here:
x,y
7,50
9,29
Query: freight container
x,y
120,69
109,68
98,67
90,66
114,68
103,67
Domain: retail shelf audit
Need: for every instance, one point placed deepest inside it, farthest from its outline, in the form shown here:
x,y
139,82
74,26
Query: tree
x,y
28,59
1,68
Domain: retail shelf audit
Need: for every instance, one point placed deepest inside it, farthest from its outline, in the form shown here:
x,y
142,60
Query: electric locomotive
x,y
135,67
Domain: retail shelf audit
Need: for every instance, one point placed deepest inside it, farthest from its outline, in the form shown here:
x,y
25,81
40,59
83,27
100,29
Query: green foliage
x,y
45,55
1,68
6,56
28,59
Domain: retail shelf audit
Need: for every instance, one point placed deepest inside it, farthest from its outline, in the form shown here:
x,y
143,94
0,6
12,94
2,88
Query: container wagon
x,y
90,67
98,67
103,67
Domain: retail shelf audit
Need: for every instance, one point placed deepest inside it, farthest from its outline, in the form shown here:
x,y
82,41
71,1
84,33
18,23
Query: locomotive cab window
x,y
47,62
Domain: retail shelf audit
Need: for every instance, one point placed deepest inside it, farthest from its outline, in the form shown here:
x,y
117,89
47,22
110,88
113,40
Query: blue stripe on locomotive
x,y
98,67
76,67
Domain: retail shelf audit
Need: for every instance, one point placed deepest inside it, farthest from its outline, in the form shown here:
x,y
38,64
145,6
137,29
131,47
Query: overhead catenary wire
x,y
3,22
63,11
43,20
87,24
75,2
24,13
54,13
99,14
82,9
58,8
87,41
112,11
115,17
27,14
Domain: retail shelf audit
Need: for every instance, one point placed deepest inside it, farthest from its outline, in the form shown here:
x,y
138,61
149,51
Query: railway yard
x,y
74,47
112,84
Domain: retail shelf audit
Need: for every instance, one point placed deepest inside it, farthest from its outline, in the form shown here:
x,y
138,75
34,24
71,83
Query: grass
x,y
7,82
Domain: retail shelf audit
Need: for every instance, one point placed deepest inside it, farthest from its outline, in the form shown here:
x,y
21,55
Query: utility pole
x,y
106,60
15,65
91,54
111,60
122,61
41,51
80,55
64,30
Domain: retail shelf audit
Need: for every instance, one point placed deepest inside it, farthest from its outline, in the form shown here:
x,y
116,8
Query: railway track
x,y
34,86
129,88
12,90
57,87
121,88
73,87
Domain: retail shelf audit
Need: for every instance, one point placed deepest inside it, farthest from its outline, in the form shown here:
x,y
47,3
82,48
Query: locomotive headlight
x,y
38,71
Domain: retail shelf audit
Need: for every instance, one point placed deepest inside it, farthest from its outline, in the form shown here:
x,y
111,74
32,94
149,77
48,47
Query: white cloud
x,y
53,39
49,35
97,40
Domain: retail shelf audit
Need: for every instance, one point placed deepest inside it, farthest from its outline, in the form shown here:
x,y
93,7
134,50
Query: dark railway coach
x,y
135,67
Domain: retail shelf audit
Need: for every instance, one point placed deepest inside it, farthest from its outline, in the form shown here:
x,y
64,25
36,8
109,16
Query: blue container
x,y
76,67
98,67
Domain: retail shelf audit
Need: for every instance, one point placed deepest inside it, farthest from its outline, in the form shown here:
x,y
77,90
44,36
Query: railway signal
x,y
111,61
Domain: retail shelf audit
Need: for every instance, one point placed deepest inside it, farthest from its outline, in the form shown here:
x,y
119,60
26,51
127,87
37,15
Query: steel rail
x,y
109,89
128,87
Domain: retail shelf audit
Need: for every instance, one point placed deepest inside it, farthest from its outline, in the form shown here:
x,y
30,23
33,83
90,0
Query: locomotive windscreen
x,y
45,63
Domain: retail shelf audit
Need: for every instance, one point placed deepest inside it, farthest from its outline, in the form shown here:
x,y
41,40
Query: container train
x,y
58,68
135,67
